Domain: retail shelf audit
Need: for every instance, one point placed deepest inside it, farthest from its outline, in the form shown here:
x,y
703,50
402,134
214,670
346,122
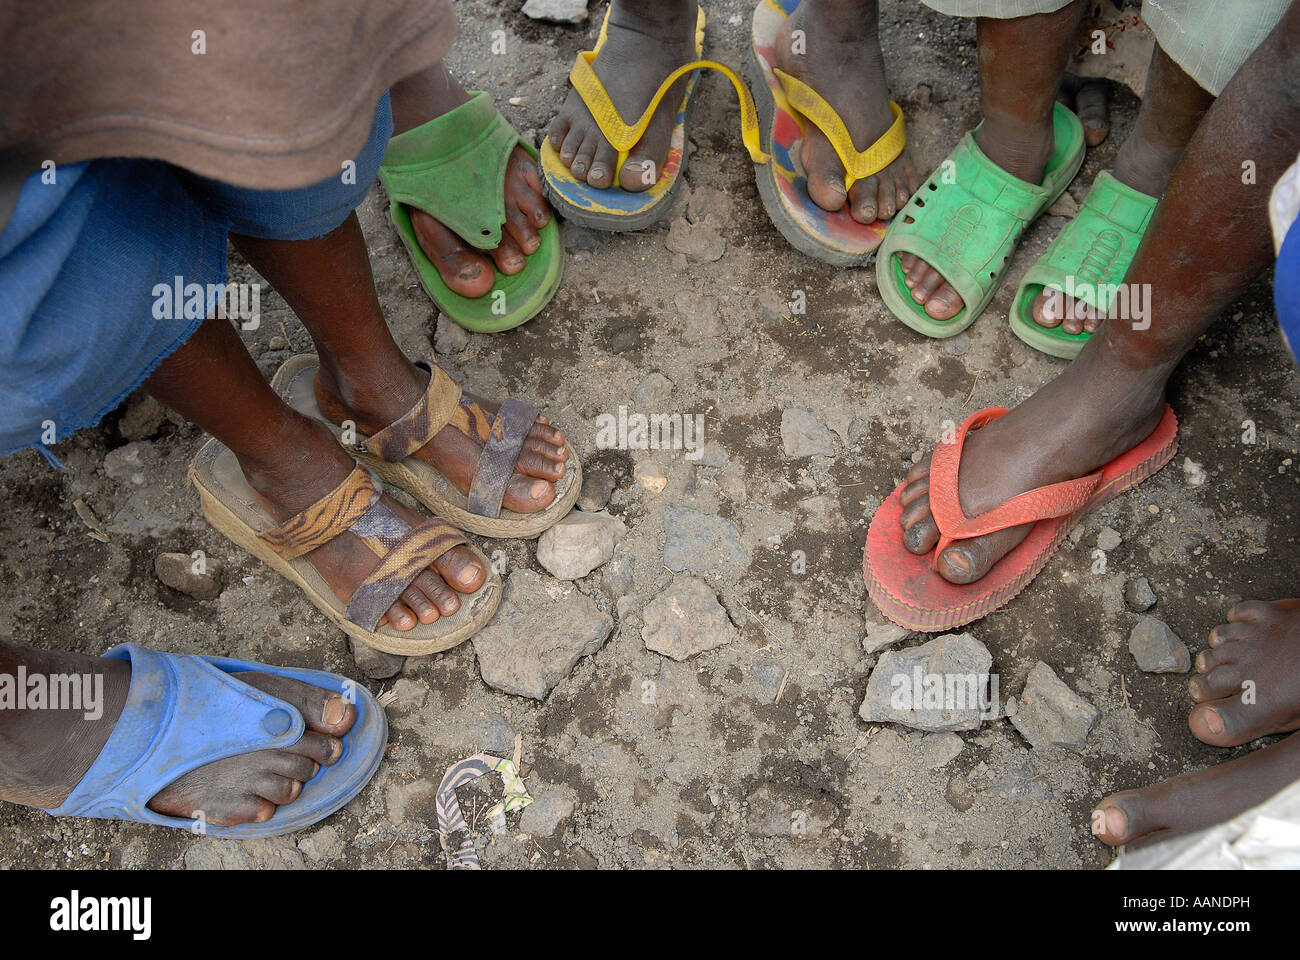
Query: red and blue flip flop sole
x,y
908,591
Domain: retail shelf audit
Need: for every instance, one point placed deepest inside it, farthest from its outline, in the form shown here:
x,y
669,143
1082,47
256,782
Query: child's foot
x,y
836,51
1021,151
1194,801
313,465
1087,416
463,267
57,747
1146,166
1089,98
375,400
645,42
1247,685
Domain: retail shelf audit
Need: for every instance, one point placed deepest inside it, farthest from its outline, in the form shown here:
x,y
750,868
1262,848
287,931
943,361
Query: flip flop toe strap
x,y
1041,503
623,136
433,411
181,713
497,463
858,164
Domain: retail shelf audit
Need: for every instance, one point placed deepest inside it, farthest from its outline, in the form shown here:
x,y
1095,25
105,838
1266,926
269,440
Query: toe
x,y
1047,308
277,789
543,431
546,450
1251,611
543,468
864,201
1230,632
914,489
527,494
461,570
324,711
968,560
928,280
418,602
886,197
823,170
434,587
400,617
508,257
318,748
461,267
638,173
584,156
944,304
1122,817
572,143
602,166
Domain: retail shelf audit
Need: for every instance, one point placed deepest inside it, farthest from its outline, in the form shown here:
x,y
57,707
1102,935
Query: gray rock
x,y
576,238
686,619
939,749
134,463
322,846
1108,539
579,543
938,686
881,635
177,571
709,203
696,241
557,11
450,336
803,435
375,664
597,487
1157,649
538,634
618,575
800,814
1138,595
696,542
143,416
548,810
1051,714
276,853
652,393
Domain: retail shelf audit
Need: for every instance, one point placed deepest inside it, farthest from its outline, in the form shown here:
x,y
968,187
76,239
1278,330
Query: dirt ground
x,y
705,774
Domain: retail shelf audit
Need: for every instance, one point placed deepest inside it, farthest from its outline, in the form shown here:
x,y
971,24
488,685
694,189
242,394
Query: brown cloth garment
x,y
283,93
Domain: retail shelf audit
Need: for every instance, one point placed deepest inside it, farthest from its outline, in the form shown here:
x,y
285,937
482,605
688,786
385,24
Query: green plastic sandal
x,y
966,220
1087,261
453,168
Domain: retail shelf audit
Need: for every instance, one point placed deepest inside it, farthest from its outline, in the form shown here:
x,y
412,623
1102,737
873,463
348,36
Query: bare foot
x,y
644,43
838,55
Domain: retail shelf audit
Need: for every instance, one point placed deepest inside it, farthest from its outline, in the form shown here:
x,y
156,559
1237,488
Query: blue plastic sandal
x,y
184,711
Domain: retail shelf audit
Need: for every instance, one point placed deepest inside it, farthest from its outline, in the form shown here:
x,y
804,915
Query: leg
x,y
291,462
1111,396
45,753
364,376
464,268
647,40
840,58
1022,63
1170,114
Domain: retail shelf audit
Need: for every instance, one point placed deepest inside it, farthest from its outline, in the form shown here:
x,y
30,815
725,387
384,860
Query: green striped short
x,y
1210,41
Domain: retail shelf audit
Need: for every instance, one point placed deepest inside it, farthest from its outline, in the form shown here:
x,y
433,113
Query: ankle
x,y
1021,149
372,398
297,467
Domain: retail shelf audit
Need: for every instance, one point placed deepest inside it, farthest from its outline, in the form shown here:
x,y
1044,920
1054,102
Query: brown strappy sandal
x,y
389,451
355,507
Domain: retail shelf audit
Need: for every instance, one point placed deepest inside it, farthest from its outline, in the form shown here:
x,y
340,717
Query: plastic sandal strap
x,y
1041,503
623,136
858,164
497,463
181,713
413,552
420,424
329,516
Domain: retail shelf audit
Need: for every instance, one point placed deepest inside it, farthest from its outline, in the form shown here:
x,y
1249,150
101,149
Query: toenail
x,y
471,272
1116,822
1214,721
334,711
538,488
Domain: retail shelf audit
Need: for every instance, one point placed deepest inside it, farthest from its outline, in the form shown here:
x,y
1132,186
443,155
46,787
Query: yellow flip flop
x,y
785,105
616,209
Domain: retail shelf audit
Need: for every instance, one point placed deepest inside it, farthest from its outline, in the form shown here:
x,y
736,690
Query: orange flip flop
x,y
910,591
